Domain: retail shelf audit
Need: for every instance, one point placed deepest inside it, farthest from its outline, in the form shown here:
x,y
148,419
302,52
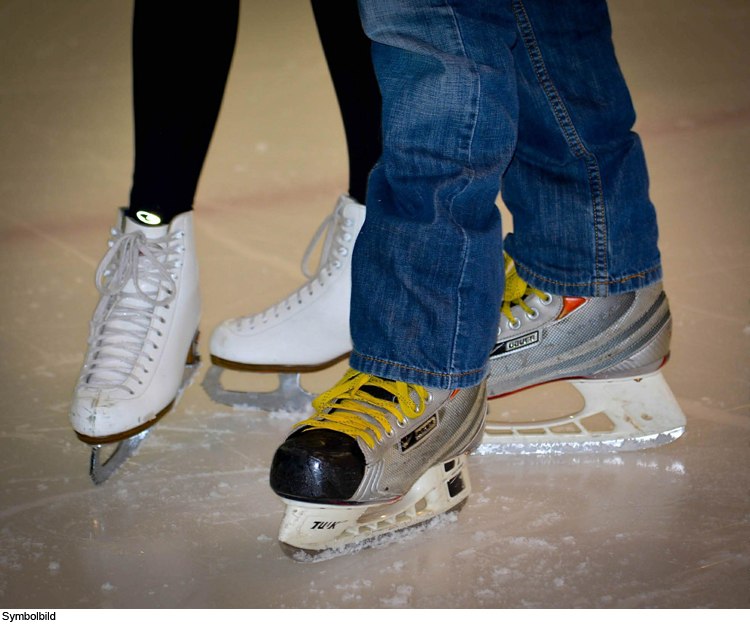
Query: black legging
x,y
181,60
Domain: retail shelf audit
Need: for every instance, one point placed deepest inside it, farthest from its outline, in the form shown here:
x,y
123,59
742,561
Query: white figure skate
x,y
142,339
305,332
610,349
377,457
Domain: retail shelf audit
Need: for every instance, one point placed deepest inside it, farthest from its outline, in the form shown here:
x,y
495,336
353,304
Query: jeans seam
x,y
640,275
470,177
574,141
415,369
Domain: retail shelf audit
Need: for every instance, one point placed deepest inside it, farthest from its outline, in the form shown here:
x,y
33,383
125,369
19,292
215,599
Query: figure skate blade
x,y
100,471
288,396
619,415
249,386
124,449
318,532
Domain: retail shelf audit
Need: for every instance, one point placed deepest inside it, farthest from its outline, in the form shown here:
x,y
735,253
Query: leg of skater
x,y
585,240
385,447
428,264
144,329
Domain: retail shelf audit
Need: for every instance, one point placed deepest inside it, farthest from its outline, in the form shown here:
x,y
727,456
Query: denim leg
x,y
578,185
427,273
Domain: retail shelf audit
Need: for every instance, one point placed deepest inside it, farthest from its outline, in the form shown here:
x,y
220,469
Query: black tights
x,y
181,61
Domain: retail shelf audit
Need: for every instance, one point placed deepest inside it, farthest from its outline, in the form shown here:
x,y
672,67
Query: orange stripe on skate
x,y
570,304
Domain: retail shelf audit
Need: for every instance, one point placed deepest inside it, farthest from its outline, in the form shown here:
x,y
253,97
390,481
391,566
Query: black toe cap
x,y
318,465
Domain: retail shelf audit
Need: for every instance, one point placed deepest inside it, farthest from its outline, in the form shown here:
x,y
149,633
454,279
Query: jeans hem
x,y
415,376
622,285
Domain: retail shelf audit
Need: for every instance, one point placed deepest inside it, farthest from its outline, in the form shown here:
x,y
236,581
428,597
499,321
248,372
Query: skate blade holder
x,y
617,415
317,532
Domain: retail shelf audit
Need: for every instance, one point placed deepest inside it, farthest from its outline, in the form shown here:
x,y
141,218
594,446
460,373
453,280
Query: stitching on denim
x,y
640,275
575,143
471,173
416,369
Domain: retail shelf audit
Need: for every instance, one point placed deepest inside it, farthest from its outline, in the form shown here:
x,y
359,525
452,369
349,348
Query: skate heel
x,y
318,532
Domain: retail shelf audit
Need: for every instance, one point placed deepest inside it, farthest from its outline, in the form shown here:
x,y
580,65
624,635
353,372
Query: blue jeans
x,y
479,95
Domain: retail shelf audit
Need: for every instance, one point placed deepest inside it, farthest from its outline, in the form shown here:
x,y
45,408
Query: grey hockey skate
x,y
610,349
378,456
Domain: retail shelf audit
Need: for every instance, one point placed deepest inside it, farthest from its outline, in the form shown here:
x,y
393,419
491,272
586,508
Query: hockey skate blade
x,y
288,396
126,447
318,532
642,410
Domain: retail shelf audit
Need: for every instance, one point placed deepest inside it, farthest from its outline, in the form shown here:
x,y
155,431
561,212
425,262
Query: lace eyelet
x,y
534,314
546,301
515,324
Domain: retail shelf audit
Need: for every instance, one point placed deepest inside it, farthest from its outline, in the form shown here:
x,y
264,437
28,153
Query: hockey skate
x,y
142,339
610,349
306,332
378,456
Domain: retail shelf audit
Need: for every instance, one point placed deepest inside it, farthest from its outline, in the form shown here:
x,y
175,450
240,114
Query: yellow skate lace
x,y
350,405
516,290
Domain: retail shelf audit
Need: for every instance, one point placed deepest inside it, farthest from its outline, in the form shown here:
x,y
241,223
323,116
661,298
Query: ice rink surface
x,y
190,521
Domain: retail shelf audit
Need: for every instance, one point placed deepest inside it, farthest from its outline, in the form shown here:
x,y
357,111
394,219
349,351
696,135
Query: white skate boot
x,y
610,349
377,457
307,331
143,334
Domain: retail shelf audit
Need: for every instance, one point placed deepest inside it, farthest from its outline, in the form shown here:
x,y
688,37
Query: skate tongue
x,y
515,286
378,392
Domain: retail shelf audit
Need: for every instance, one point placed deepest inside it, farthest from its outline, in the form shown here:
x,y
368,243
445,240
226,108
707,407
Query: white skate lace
x,y
135,277
335,246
